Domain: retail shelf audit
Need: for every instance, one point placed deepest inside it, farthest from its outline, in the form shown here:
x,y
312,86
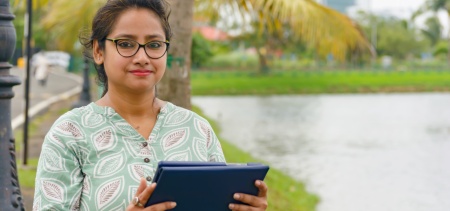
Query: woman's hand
x,y
143,193
254,203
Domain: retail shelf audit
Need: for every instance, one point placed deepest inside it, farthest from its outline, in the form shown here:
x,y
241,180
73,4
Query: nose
x,y
141,56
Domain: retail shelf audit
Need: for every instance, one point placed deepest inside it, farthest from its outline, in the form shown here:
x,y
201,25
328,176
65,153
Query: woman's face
x,y
138,73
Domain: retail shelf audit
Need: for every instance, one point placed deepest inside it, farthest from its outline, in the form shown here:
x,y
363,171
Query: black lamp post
x,y
85,96
10,197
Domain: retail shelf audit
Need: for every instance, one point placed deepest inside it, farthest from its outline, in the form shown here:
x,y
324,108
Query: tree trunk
x,y
175,86
263,66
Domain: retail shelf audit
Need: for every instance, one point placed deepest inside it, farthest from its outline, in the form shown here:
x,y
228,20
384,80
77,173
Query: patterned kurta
x,y
92,159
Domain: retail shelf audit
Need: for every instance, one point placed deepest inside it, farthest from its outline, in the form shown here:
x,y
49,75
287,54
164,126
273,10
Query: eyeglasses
x,y
129,48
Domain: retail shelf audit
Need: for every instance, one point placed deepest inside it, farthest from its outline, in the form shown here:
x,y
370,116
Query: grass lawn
x,y
315,82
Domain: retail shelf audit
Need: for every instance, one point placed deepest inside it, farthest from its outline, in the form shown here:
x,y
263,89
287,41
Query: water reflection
x,y
357,152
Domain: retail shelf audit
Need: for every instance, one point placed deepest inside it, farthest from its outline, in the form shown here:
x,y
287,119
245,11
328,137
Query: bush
x,y
234,60
200,51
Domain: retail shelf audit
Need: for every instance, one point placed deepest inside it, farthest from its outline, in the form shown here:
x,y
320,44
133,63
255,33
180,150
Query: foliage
x,y
396,40
269,45
39,38
394,37
441,48
64,27
201,50
221,47
435,6
237,59
248,61
432,30
325,29
21,4
55,27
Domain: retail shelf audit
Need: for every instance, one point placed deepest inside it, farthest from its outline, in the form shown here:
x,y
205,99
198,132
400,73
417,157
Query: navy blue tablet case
x,y
204,186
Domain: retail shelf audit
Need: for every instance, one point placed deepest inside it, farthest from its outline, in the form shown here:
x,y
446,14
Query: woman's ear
x,y
97,53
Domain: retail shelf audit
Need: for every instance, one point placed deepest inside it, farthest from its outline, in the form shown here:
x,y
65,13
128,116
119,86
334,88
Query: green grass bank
x,y
318,82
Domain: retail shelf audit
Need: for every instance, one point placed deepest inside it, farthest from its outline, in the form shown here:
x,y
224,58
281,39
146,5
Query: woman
x,y
101,156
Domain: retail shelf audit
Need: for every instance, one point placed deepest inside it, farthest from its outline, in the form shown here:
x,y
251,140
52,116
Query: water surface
x,y
356,152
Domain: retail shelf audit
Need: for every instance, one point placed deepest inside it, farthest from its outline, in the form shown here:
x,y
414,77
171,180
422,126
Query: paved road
x,y
60,84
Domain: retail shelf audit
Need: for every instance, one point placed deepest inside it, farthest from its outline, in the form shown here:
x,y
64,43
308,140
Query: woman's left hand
x,y
252,203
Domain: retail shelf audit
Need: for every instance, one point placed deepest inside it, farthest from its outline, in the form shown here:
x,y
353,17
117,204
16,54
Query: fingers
x,y
142,186
161,206
241,207
156,207
253,202
144,192
262,187
145,195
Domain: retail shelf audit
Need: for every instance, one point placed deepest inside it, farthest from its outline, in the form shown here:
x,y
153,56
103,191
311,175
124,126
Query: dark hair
x,y
104,21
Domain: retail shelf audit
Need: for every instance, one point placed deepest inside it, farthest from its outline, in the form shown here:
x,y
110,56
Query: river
x,y
357,152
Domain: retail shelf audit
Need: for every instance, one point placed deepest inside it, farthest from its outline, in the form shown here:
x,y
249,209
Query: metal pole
x,y
10,196
28,35
85,96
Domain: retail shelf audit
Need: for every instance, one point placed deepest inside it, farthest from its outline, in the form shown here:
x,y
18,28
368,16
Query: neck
x,y
132,105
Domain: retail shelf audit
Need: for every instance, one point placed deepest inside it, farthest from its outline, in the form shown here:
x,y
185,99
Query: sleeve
x,y
59,177
215,152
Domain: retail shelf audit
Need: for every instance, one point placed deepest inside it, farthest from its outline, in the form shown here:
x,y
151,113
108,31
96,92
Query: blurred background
x,y
347,100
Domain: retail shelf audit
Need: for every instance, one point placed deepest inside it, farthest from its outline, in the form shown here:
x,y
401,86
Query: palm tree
x,y
324,28
435,6
432,30
66,19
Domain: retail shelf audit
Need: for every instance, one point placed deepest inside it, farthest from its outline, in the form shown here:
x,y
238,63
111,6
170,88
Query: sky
x,y
398,8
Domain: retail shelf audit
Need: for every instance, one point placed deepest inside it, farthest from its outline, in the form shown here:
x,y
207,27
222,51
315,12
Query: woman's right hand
x,y
143,193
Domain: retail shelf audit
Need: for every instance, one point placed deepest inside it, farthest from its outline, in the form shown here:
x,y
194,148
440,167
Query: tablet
x,y
204,186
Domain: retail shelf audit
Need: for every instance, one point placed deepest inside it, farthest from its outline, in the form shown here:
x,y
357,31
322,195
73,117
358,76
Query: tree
x,y
324,29
175,86
63,27
201,50
395,37
432,30
435,6
397,40
39,39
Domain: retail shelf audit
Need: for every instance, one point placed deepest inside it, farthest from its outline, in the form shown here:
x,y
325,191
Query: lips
x,y
141,72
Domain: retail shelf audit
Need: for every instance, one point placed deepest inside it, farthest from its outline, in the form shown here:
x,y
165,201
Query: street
x,y
59,84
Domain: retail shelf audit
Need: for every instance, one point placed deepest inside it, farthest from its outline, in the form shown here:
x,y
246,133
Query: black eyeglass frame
x,y
140,46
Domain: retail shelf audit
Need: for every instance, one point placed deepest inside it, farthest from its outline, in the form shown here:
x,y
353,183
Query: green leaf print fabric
x,y
92,159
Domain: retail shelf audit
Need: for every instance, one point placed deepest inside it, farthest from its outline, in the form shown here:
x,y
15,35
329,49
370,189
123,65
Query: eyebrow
x,y
152,36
